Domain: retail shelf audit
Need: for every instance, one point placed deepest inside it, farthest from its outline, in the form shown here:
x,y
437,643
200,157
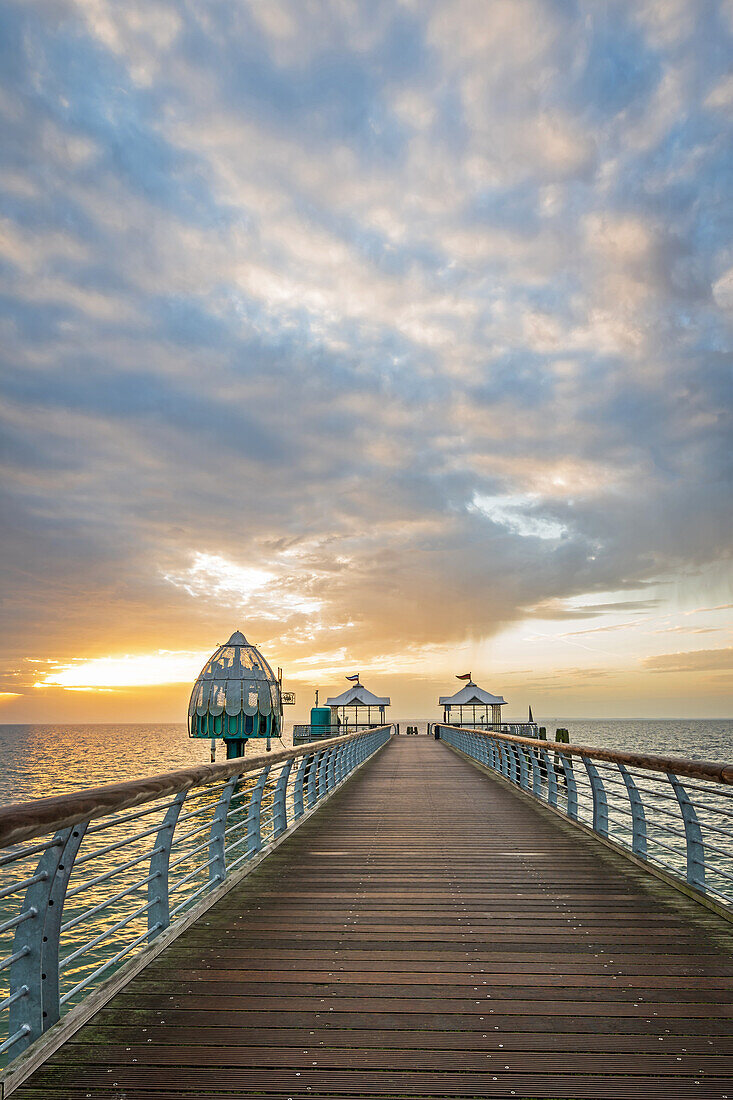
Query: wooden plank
x,y
208,1080
256,1020
445,1006
440,980
188,1031
523,1061
715,997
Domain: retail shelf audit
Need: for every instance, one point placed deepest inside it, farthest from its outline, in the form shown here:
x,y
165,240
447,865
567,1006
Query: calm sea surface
x,y
38,761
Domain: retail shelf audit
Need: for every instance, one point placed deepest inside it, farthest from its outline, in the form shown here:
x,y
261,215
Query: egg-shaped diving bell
x,y
236,696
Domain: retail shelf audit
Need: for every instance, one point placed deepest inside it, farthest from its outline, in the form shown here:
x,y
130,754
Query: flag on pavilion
x,y
354,677
465,676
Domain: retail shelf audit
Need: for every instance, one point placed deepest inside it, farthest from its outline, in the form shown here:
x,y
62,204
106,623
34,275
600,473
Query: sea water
x,y
37,761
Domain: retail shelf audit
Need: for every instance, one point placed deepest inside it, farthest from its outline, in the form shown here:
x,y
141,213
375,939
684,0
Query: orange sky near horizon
x,y
604,663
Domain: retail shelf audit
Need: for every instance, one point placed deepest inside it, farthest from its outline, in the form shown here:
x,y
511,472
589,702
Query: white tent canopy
x,y
472,694
483,707
355,705
358,696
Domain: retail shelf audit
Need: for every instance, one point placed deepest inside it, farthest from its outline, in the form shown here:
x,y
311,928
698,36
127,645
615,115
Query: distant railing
x,y
125,861
305,732
637,802
518,729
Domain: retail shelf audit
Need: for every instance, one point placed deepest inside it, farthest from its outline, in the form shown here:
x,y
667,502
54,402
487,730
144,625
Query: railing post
x,y
254,818
158,899
693,835
313,779
338,767
331,769
298,807
551,777
279,805
600,800
322,778
503,765
36,941
638,817
523,769
218,865
536,774
493,755
512,762
570,786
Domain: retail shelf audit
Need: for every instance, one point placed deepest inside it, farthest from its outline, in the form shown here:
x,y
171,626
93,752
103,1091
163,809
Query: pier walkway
x,y
427,933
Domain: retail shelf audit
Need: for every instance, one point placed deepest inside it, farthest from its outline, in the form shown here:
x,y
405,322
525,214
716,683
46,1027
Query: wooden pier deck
x,y
427,933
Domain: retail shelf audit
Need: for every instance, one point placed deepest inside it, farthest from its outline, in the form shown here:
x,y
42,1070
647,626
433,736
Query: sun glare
x,y
100,673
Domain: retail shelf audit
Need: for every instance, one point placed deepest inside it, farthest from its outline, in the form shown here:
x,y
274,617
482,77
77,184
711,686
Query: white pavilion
x,y
475,702
348,708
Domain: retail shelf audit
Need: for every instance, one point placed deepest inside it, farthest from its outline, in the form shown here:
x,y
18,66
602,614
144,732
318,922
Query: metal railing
x,y
517,729
125,861
637,802
307,732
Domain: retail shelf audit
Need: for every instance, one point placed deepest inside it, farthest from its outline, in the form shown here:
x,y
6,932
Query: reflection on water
x,y
40,761
698,739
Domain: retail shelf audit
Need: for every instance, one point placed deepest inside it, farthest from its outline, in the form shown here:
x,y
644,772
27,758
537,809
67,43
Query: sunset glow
x,y
127,671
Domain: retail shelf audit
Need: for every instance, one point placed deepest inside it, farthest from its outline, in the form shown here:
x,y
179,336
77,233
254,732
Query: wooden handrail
x,y
20,821
695,769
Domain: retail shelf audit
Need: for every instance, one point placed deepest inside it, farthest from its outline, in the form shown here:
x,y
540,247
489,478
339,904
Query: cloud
x,y
721,96
717,607
602,629
375,326
251,590
701,660
517,514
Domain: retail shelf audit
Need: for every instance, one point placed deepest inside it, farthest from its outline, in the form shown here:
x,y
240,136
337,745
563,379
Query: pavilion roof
x,y
472,694
357,696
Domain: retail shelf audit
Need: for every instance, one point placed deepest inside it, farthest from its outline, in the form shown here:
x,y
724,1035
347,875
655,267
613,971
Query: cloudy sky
x,y
397,334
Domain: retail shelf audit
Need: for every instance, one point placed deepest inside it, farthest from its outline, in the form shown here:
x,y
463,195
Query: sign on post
x,y
287,698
